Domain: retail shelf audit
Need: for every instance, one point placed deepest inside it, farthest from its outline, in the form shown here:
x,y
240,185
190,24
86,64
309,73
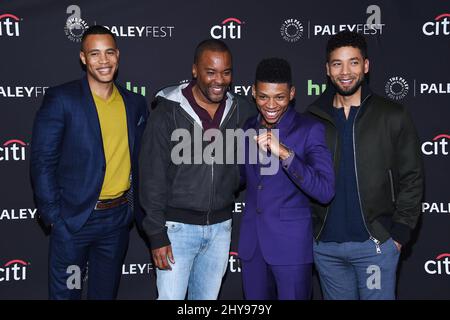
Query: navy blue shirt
x,y
344,221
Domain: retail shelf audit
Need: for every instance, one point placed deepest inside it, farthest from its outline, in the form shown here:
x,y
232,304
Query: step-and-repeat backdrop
x,y
409,53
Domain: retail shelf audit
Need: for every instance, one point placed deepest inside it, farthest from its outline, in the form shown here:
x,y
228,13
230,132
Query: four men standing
x,y
85,146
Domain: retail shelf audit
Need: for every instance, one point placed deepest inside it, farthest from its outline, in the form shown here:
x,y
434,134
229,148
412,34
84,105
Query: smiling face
x,y
213,73
272,100
101,58
346,68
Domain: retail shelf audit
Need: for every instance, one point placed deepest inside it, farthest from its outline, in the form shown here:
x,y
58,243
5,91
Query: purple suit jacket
x,y
277,212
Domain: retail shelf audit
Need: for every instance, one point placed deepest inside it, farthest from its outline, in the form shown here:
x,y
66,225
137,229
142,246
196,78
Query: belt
x,y
111,203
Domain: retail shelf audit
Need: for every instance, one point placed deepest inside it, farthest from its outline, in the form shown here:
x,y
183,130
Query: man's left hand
x,y
399,246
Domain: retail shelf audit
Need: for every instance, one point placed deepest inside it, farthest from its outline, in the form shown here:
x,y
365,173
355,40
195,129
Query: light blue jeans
x,y
357,270
201,258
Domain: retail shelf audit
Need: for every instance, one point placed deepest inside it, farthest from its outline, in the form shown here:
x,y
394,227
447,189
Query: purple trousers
x,y
262,281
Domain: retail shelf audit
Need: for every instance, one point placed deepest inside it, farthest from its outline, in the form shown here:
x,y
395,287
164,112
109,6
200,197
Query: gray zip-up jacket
x,y
198,191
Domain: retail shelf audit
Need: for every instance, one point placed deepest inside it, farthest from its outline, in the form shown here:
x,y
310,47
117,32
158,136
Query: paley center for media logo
x,y
439,265
229,28
438,27
14,270
291,30
13,150
9,25
398,87
437,146
75,26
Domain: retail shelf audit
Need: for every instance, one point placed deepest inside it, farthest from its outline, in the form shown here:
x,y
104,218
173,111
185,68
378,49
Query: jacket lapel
x,y
285,123
131,126
87,102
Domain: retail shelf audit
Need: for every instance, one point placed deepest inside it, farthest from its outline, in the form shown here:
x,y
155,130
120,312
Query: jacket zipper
x,y
391,180
328,208
371,237
211,198
212,163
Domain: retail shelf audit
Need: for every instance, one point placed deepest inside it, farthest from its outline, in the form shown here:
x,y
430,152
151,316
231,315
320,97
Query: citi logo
x,y
440,26
13,150
9,25
14,270
438,146
440,265
234,262
229,28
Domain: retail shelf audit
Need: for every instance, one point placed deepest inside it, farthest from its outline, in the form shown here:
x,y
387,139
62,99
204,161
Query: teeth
x,y
272,114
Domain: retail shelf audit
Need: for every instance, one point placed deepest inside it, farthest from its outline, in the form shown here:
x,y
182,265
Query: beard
x,y
350,91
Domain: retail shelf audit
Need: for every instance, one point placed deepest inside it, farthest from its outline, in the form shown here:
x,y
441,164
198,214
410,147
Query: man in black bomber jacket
x,y
379,179
188,192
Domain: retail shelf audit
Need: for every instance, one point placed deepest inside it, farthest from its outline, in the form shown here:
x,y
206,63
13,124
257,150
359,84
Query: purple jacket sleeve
x,y
313,172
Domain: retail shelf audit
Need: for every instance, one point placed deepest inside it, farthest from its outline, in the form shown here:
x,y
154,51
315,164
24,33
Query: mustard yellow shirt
x,y
113,124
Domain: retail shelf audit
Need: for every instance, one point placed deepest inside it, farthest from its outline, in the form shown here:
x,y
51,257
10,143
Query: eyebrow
x,y
95,50
212,69
339,60
266,94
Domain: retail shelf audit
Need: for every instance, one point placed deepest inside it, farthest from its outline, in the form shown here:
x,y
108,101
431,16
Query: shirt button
x,y
260,187
258,210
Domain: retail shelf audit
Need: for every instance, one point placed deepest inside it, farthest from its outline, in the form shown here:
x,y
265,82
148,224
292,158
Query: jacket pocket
x,y
288,214
391,184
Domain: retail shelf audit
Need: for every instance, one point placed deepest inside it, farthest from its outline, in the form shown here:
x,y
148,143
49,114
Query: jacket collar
x,y
173,93
323,106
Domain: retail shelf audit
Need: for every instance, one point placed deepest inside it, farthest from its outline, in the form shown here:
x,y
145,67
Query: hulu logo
x,y
134,89
315,89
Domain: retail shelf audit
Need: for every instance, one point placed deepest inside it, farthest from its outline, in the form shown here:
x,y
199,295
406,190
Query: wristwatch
x,y
290,152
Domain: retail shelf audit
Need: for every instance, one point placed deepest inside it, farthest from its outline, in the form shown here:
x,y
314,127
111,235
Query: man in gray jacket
x,y
187,192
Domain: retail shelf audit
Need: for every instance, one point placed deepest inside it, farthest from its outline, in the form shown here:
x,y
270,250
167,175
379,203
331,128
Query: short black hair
x,y
347,39
96,29
274,70
212,45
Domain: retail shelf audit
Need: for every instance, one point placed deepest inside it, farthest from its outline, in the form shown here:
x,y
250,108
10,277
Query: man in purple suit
x,y
275,245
